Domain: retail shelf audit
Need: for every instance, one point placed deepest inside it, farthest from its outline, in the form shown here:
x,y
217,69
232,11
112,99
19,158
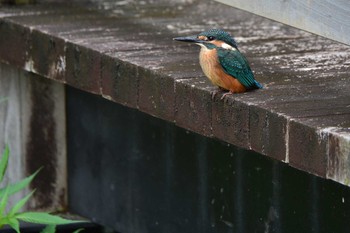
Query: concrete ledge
x,y
127,55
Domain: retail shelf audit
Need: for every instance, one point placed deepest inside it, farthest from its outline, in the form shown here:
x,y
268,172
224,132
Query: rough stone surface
x,y
32,122
45,142
151,176
339,155
83,67
125,53
230,121
119,81
268,133
156,95
15,44
307,149
48,56
193,106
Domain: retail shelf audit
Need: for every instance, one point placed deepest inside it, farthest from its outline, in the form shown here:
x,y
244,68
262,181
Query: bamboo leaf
x,y
3,202
20,204
49,229
3,221
43,218
78,230
16,187
14,223
4,162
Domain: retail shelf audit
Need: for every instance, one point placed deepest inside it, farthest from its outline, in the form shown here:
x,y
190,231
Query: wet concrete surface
x,y
124,52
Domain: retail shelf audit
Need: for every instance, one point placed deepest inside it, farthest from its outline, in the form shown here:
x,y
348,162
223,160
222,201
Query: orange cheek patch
x,y
217,43
202,38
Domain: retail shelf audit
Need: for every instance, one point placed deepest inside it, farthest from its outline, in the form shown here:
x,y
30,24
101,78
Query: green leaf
x,y
20,204
16,187
14,223
4,162
78,230
3,202
49,229
43,218
3,221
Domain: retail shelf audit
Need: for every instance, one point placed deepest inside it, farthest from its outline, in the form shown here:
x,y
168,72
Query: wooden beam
x,y
328,18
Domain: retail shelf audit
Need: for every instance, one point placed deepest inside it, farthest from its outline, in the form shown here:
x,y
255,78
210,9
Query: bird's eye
x,y
211,38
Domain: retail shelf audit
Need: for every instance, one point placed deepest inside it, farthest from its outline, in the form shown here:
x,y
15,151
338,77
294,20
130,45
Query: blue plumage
x,y
219,34
236,65
222,62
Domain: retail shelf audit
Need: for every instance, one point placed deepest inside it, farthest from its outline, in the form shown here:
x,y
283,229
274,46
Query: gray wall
x,y
329,18
137,173
32,123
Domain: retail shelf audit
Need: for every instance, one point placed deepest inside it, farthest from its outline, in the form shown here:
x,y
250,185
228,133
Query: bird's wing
x,y
236,65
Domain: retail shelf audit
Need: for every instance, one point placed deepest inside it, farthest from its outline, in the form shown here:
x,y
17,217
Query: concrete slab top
x,y
124,52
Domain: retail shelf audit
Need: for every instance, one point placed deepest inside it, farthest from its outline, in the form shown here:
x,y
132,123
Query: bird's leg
x,y
214,93
226,94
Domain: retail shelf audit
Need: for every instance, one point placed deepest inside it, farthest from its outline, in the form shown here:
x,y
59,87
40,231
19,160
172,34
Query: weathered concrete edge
x,y
181,101
339,154
33,124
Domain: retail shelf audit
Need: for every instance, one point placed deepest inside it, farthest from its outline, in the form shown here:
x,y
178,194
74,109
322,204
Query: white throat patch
x,y
202,45
227,46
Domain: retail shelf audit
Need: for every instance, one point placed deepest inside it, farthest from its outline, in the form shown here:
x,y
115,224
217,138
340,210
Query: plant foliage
x,y
14,216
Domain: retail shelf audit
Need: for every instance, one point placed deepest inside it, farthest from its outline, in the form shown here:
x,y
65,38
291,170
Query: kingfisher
x,y
222,62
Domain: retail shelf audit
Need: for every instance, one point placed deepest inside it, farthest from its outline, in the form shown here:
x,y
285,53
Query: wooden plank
x,y
328,18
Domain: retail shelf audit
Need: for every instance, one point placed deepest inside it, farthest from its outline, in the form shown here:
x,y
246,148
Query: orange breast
x,y
213,70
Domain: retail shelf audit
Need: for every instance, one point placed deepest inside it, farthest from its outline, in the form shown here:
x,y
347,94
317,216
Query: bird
x,y
222,62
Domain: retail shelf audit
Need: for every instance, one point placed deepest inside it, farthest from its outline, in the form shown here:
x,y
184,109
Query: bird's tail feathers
x,y
258,84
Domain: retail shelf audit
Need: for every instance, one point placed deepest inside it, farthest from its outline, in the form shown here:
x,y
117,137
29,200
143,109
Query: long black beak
x,y
191,39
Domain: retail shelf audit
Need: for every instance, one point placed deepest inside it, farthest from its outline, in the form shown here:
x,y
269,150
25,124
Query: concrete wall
x,y
301,117
136,173
32,123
